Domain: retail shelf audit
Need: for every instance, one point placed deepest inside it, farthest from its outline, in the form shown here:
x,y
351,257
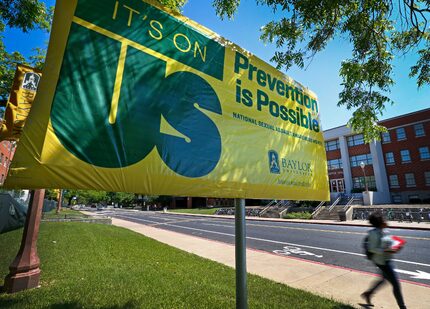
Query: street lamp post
x,y
362,165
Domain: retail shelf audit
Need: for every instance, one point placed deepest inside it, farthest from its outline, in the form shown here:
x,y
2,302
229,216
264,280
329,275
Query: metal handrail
x,y
318,209
350,201
267,207
334,204
281,214
280,203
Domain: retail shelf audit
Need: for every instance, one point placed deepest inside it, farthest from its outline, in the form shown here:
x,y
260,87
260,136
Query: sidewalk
x,y
342,284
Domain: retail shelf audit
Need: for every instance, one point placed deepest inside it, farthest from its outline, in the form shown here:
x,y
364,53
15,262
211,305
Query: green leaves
x,y
225,8
175,5
25,14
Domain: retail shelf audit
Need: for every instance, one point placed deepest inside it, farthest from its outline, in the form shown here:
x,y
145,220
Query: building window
x,y
366,158
410,180
332,145
1,159
394,181
414,199
419,130
334,164
358,182
406,158
427,177
386,137
389,158
401,134
424,153
355,140
397,198
5,161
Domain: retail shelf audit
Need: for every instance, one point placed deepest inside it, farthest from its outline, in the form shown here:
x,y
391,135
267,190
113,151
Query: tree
x,y
26,15
122,198
378,31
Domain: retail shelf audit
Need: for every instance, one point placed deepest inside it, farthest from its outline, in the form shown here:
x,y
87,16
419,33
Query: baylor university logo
x,y
274,162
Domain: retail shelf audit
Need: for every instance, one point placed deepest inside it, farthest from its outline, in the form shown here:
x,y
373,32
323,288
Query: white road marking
x,y
415,275
274,241
287,250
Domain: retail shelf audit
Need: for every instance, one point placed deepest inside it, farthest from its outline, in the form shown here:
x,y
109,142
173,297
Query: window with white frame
x,y
332,145
406,157
358,182
401,134
355,140
424,153
389,158
356,160
410,180
334,164
419,130
427,178
386,138
394,181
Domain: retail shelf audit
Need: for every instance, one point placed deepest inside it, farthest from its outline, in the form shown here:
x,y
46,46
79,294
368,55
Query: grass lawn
x,y
204,211
101,266
69,213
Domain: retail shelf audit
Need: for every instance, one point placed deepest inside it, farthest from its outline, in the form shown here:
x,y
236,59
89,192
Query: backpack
x,y
369,254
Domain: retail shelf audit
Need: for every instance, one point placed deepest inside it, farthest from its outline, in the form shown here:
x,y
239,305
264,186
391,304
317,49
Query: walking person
x,y
379,251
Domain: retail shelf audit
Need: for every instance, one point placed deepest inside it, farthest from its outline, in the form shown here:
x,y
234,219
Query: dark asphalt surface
x,y
328,244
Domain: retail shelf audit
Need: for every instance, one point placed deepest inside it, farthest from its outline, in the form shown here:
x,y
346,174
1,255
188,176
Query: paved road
x,y
329,244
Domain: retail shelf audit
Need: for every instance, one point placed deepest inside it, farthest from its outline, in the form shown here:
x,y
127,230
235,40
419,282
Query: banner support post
x,y
240,235
24,271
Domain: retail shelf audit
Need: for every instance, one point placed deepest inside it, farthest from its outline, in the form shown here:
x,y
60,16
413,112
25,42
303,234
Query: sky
x,y
321,75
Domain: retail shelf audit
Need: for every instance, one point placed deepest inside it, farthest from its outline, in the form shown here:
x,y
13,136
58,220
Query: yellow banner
x,y
137,98
21,98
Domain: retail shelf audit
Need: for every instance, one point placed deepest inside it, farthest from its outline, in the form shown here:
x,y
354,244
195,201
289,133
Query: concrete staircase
x,y
325,214
274,211
274,208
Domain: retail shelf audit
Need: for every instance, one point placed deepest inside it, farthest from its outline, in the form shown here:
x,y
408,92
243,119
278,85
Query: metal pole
x,y
241,290
365,181
24,270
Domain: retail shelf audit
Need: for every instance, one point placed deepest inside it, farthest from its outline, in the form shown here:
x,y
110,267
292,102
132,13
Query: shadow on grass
x,y
6,303
76,305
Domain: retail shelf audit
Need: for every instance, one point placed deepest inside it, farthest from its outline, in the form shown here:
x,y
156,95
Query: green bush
x,y
298,215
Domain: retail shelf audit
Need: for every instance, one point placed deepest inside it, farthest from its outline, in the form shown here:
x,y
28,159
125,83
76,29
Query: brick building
x,y
397,168
7,150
